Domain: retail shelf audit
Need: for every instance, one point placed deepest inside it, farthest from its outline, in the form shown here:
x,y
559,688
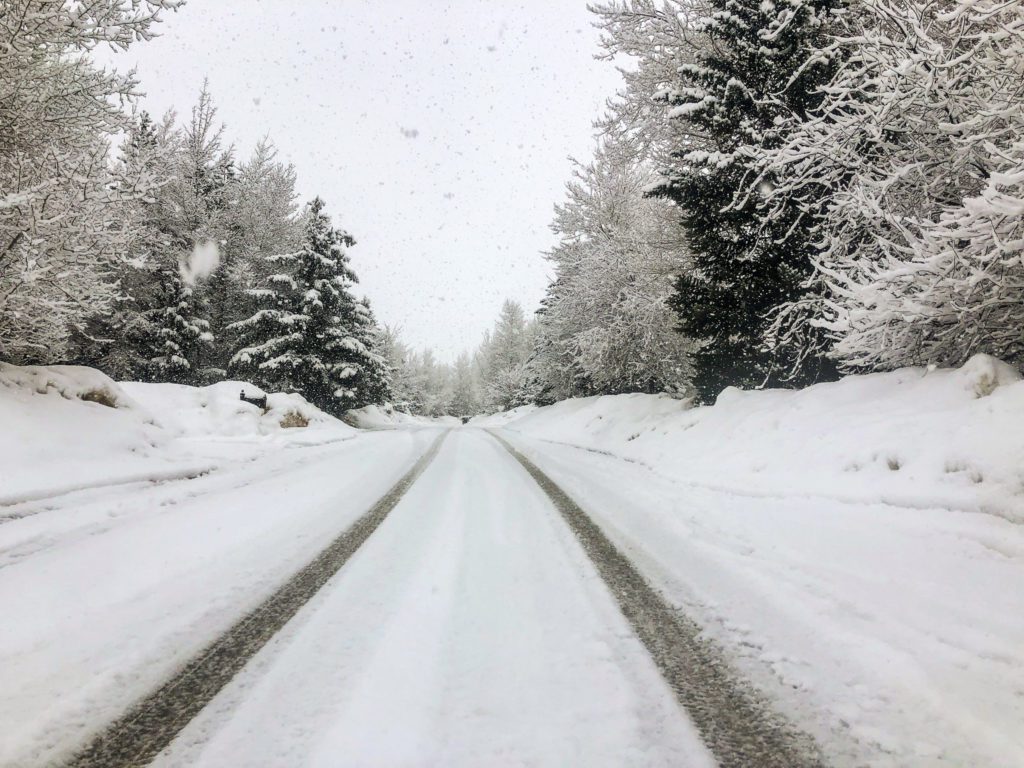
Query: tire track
x,y
149,726
738,727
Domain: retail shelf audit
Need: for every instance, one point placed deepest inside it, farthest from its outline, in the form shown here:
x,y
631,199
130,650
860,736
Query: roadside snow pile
x,y
217,411
913,437
386,417
503,418
67,428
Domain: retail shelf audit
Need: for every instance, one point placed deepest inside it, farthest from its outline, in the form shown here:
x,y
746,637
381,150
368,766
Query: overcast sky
x,y
438,133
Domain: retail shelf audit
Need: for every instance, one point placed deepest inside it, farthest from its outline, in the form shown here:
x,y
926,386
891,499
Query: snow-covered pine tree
x,y
762,68
605,326
158,329
195,216
465,399
405,395
176,333
505,377
368,379
310,334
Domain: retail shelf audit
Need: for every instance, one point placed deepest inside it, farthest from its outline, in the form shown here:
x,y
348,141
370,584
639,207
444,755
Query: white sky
x,y
438,133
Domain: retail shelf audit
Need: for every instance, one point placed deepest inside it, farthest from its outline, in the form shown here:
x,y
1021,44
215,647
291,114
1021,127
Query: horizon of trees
x,y
781,192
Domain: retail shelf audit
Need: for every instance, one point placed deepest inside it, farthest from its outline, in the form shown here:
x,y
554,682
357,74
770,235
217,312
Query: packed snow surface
x,y
470,630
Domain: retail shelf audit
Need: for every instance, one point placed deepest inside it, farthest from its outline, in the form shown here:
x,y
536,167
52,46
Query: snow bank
x,y
913,437
386,417
218,411
68,427
503,418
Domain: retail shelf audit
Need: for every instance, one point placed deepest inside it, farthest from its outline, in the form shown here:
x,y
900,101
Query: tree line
x,y
496,376
782,191
168,258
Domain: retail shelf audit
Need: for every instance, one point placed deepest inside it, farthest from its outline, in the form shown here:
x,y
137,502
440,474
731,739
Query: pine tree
x,y
762,69
310,334
370,384
176,334
503,356
605,326
465,398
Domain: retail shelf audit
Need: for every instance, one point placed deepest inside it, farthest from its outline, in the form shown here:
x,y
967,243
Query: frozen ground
x,y
875,601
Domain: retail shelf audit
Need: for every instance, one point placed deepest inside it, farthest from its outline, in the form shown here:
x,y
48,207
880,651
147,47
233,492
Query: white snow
x,y
855,548
387,417
879,607
58,438
217,411
133,532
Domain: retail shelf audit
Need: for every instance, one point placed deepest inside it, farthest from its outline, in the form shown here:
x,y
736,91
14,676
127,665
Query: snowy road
x,y
469,630
466,626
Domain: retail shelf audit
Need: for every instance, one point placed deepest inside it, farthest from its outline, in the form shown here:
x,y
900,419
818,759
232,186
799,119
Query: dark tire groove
x,y
152,723
738,727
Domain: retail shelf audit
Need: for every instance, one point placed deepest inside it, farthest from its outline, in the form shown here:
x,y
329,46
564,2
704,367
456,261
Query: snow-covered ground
x,y
856,547
130,536
922,438
386,417
68,428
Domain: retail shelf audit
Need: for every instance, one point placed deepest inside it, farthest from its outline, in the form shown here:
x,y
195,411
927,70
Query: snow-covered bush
x,y
918,149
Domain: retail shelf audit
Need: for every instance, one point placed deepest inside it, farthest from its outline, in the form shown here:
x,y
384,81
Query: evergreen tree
x,y
310,334
605,326
371,383
195,217
175,333
919,144
505,376
762,69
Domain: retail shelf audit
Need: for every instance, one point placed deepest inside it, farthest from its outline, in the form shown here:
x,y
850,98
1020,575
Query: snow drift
x,y
914,437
